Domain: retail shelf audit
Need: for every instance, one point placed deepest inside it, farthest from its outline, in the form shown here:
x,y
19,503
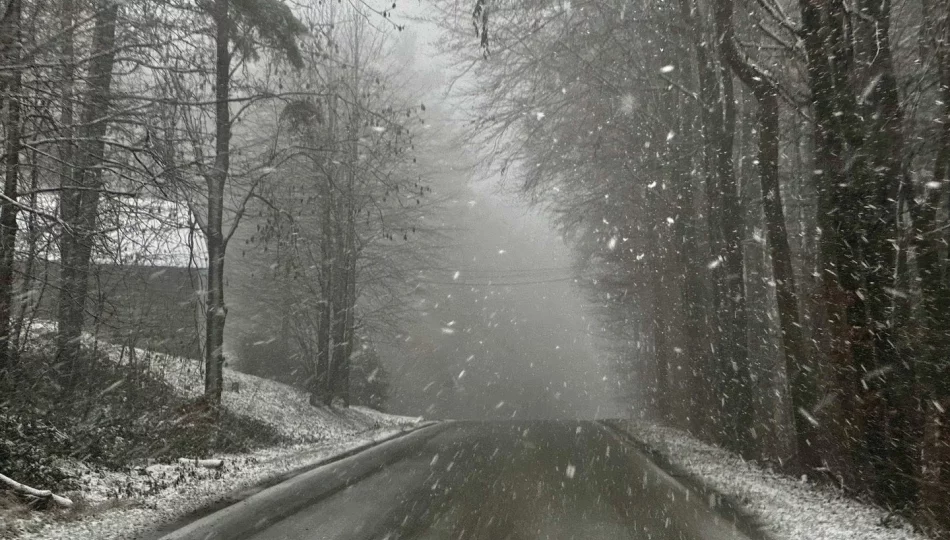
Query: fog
x,y
503,331
518,347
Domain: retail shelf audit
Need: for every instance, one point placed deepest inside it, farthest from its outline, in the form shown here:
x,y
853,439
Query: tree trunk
x,y
933,267
797,366
891,426
82,196
320,387
823,35
734,372
691,269
216,309
338,295
33,234
660,327
799,370
349,324
709,368
8,207
68,196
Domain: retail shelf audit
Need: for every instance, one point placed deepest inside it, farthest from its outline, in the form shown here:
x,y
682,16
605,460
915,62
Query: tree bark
x,y
894,429
660,326
933,267
82,196
734,374
8,207
32,254
709,368
692,296
68,195
797,366
215,308
823,34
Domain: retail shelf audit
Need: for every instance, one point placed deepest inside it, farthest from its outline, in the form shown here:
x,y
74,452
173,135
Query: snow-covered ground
x,y
284,407
187,488
124,504
786,508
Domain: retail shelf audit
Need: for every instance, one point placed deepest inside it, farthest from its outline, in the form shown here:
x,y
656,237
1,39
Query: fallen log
x,y
44,494
205,463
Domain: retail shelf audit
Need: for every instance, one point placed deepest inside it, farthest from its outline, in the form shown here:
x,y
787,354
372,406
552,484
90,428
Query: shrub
x,y
110,415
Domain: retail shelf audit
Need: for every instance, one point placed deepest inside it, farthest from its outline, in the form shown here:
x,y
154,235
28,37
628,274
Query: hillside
x,y
115,449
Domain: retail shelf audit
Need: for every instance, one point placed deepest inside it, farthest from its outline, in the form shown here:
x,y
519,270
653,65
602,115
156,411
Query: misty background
x,y
497,327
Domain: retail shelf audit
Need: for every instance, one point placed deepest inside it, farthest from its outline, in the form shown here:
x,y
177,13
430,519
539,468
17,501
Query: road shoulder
x,y
202,492
257,509
778,506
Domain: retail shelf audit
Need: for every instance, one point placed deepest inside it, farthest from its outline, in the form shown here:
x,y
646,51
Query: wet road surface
x,y
511,480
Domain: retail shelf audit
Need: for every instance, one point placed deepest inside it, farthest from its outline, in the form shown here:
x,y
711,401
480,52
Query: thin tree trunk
x,y
349,323
338,294
321,389
33,237
734,371
660,327
216,309
68,199
934,272
8,207
691,268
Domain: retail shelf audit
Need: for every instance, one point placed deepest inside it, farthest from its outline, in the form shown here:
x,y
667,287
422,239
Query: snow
x,y
144,231
124,504
187,489
284,407
787,508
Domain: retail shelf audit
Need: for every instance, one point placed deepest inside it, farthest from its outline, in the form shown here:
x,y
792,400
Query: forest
x,y
756,192
757,196
167,161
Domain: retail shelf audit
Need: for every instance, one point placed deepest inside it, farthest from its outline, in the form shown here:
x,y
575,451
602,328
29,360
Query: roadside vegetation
x,y
136,445
118,415
139,142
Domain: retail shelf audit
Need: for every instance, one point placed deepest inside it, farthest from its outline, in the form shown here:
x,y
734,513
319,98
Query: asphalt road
x,y
506,480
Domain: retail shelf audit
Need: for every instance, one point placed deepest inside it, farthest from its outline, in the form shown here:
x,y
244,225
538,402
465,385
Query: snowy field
x,y
786,508
126,504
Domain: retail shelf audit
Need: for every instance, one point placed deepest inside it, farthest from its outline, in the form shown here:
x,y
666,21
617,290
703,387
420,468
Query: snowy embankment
x,y
114,504
785,508
284,407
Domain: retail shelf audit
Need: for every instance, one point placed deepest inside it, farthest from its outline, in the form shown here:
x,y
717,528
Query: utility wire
x,y
509,271
494,284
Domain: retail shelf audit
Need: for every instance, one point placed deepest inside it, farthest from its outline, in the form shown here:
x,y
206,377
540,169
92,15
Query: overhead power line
x,y
495,283
509,270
